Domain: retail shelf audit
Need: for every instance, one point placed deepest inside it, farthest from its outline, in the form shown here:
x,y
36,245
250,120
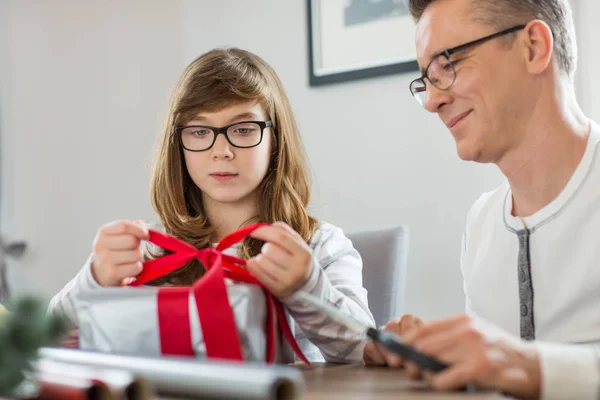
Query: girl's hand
x,y
285,262
117,252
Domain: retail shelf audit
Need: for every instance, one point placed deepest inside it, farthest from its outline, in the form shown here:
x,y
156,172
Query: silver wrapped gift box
x,y
125,321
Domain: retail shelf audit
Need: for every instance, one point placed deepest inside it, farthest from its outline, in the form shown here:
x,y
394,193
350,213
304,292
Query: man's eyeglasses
x,y
241,134
440,71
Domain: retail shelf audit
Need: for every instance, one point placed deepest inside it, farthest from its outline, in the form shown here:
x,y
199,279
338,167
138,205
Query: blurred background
x,y
83,92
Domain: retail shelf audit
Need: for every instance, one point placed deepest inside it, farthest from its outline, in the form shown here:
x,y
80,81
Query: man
x,y
499,74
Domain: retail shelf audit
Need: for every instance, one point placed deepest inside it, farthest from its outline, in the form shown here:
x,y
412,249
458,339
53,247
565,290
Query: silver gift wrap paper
x,y
125,321
195,378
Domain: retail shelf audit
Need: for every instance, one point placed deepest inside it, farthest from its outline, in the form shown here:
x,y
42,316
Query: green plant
x,y
22,332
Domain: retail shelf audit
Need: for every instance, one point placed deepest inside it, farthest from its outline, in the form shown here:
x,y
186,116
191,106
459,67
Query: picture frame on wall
x,y
358,39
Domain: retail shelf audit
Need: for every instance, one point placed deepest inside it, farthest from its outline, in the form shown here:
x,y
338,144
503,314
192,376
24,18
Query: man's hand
x,y
479,355
375,354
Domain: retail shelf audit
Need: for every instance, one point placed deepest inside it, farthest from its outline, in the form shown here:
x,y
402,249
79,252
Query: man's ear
x,y
538,46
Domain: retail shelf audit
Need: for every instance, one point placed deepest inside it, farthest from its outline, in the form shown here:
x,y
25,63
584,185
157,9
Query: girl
x,y
231,155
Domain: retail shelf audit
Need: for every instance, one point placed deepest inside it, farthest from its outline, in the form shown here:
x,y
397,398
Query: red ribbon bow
x,y
210,292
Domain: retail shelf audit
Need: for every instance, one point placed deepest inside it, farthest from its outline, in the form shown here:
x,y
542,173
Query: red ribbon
x,y
210,292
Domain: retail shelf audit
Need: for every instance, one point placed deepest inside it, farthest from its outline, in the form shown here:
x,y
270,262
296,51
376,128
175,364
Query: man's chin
x,y
468,152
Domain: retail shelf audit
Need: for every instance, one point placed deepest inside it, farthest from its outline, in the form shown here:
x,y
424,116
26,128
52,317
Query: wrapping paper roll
x,y
120,384
52,386
192,377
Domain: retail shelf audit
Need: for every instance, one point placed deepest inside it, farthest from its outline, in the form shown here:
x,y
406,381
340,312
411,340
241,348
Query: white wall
x,y
5,140
84,91
378,158
588,76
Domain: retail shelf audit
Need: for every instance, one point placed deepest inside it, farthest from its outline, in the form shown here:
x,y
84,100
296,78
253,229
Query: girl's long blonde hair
x,y
215,80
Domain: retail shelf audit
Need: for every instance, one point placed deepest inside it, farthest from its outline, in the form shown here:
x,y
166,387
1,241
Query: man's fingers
x,y
413,371
454,377
372,355
435,327
391,359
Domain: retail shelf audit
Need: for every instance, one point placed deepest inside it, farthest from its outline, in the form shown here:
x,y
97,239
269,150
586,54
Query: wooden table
x,y
356,382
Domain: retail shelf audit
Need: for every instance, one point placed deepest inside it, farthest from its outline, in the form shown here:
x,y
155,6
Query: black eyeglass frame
x,y
223,130
448,53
